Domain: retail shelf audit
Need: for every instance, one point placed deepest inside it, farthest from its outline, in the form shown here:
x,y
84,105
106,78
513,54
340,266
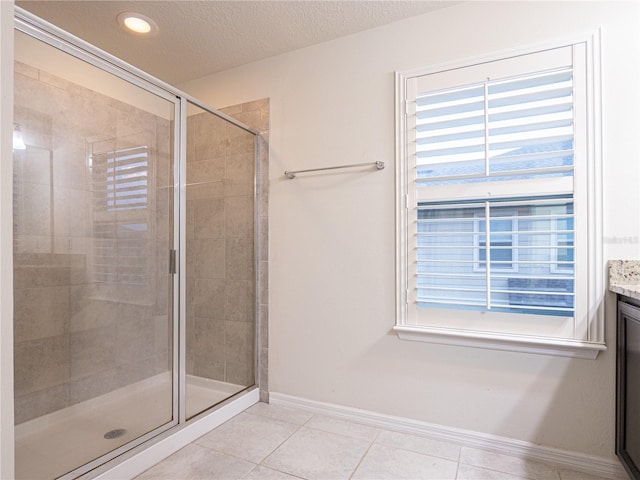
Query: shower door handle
x,y
172,261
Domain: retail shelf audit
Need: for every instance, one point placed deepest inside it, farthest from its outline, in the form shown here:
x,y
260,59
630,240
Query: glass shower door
x,y
95,363
220,261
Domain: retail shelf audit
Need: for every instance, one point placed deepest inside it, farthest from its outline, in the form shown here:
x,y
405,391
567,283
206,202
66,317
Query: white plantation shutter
x,y
121,234
120,178
502,128
493,203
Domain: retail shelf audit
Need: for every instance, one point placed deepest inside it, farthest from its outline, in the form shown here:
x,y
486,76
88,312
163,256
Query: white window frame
x,y
555,267
585,337
514,243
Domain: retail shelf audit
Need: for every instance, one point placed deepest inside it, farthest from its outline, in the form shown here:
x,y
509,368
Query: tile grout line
x,y
378,433
524,476
364,455
458,461
376,440
195,442
305,425
282,443
277,418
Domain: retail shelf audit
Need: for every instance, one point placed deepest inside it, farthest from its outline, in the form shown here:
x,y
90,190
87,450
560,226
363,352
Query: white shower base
x,y
52,445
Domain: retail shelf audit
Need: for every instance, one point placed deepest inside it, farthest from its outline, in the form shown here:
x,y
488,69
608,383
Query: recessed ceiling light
x,y
137,23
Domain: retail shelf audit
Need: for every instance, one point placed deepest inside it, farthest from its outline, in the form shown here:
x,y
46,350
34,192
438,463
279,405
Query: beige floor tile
x,y
566,474
343,427
250,437
384,462
314,454
292,444
417,444
278,412
194,462
508,464
468,472
264,473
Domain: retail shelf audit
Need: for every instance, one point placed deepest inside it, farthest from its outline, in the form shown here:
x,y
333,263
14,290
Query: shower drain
x,y
117,433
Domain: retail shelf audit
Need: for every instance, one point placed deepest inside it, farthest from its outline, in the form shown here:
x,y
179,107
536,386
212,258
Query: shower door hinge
x,y
172,261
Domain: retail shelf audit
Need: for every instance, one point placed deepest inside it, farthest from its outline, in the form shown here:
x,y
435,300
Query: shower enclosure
x,y
134,257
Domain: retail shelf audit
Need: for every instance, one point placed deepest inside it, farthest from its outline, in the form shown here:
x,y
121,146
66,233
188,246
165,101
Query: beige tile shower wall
x,y
220,248
78,337
256,114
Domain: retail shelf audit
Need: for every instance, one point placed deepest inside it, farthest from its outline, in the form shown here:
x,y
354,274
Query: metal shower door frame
x,y
47,33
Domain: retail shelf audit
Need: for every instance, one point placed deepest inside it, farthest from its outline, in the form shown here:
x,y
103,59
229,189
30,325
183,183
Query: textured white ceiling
x,y
197,38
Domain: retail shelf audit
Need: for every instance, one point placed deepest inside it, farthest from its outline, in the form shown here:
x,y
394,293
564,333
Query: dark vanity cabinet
x,y
628,386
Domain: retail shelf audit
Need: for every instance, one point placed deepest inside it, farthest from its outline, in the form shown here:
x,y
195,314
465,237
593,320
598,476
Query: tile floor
x,y
271,442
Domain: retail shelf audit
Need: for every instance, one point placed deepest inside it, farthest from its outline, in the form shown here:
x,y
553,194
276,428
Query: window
x,y
503,241
563,239
498,204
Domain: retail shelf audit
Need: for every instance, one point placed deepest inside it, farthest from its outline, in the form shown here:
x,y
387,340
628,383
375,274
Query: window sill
x,y
510,343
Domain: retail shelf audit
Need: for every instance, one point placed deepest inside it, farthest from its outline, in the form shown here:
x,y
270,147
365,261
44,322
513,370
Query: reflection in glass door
x,y
109,352
220,260
93,228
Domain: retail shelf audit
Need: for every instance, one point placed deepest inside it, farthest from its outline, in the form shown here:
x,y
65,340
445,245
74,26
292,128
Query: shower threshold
x,y
55,444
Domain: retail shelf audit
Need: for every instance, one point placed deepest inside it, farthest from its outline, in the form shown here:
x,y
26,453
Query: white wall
x,y
6,240
332,236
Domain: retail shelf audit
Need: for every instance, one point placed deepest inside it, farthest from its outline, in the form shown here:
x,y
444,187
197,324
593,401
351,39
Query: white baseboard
x,y
139,461
594,465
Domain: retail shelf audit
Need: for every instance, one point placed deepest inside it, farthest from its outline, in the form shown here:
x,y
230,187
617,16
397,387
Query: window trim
x,y
555,267
476,243
593,270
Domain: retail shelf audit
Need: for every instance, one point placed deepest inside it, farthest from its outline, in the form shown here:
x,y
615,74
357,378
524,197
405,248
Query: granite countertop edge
x,y
624,278
632,291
